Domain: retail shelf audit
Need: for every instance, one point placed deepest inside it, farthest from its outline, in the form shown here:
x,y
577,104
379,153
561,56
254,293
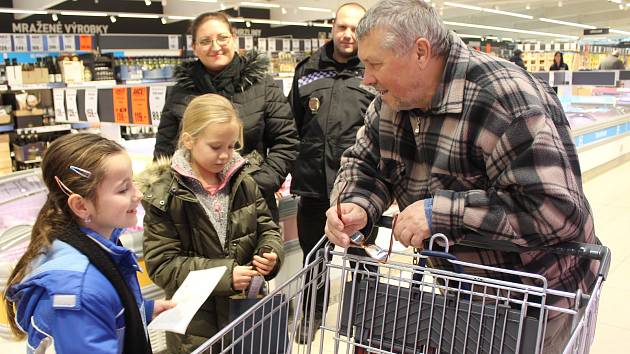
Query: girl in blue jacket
x,y
75,288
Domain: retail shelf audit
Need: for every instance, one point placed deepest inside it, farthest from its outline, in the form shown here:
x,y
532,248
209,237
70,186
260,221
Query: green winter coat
x,y
180,238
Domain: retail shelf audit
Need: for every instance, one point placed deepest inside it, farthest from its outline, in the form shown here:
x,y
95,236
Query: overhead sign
x,y
596,31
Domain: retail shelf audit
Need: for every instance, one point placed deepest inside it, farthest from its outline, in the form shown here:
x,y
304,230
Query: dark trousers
x,y
311,220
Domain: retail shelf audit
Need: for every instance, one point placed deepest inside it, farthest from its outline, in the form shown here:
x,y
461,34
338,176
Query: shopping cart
x,y
407,306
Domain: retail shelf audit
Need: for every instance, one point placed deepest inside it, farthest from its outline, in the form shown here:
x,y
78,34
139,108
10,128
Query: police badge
x,y
313,104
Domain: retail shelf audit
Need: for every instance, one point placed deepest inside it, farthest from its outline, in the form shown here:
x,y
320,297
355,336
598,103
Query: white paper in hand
x,y
193,292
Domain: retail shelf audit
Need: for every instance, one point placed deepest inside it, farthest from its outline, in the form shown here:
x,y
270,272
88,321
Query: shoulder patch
x,y
64,301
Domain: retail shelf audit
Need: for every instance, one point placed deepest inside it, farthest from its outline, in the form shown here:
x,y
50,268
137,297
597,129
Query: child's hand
x,y
161,306
242,276
265,264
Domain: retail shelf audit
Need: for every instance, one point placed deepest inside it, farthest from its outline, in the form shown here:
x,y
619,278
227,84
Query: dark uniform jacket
x,y
328,102
263,108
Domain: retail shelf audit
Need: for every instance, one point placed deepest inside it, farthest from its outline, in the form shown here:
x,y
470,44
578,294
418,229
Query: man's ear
x,y
79,206
422,52
187,141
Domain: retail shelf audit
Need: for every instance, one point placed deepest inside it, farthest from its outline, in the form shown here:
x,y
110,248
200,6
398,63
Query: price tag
x,y
173,42
307,45
71,105
140,105
85,42
58,100
295,45
271,44
37,43
5,43
314,43
20,43
286,45
91,105
189,44
249,43
157,98
262,44
53,42
68,43
121,104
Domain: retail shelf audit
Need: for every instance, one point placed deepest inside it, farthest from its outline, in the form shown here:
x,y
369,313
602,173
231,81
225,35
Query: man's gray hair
x,y
404,21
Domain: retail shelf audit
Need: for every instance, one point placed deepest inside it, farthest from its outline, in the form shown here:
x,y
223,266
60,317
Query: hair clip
x,y
67,191
81,172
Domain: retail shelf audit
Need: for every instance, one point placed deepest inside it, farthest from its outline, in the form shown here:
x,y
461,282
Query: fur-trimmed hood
x,y
254,66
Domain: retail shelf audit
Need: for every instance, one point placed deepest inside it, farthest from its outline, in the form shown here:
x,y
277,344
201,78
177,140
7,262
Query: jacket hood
x,y
254,66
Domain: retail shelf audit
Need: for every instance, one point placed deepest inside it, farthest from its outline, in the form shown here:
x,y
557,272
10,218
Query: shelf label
x,y
157,98
71,105
20,43
249,43
307,45
189,43
68,43
271,44
286,45
58,100
5,43
262,45
295,45
91,105
121,102
139,105
37,42
85,42
322,42
173,42
314,43
53,42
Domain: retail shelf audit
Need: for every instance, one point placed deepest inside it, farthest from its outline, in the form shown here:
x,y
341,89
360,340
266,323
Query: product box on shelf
x,y
35,76
29,152
29,118
5,114
5,155
72,71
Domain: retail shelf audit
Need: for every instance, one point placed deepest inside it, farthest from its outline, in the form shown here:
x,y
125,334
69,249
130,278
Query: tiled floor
x,y
609,195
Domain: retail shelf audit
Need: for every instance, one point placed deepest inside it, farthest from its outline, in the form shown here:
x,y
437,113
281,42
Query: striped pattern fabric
x,y
494,152
307,79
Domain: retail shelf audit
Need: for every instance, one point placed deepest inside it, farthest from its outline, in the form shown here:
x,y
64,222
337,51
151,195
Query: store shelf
x,y
37,86
6,128
50,128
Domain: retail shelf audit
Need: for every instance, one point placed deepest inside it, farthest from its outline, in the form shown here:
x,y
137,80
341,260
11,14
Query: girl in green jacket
x,y
204,210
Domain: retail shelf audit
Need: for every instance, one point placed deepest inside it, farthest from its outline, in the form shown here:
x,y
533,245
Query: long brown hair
x,y
86,151
203,18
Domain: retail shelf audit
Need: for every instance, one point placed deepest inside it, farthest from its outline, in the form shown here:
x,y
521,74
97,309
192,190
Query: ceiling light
x,y
573,24
83,13
248,24
112,18
284,11
181,17
314,9
462,35
147,2
163,19
620,7
257,4
528,7
55,17
559,3
322,24
484,9
619,32
131,15
616,1
504,29
20,11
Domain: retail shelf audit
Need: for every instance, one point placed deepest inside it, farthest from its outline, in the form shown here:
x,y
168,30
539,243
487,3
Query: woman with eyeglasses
x,y
270,137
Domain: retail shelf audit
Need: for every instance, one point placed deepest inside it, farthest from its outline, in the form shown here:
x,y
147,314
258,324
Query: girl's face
x,y
214,45
213,148
116,197
556,58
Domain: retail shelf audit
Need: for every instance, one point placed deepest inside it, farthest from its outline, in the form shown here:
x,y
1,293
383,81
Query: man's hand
x,y
265,264
411,227
242,276
353,219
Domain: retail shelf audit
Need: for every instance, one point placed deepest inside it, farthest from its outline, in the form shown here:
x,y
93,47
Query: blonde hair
x,y
206,110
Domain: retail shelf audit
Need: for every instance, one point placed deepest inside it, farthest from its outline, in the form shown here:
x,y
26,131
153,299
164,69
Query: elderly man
x,y
466,144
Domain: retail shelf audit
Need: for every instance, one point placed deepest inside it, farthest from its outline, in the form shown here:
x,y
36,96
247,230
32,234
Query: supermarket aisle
x,y
609,195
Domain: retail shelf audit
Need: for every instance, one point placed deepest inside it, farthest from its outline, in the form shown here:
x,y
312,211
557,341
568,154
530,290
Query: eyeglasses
x,y
221,41
358,239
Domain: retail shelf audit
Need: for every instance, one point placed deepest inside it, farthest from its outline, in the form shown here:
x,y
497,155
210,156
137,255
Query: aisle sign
x,y
121,102
314,43
37,43
71,105
271,44
91,105
19,43
68,43
85,42
58,100
307,45
286,45
157,98
295,45
262,45
53,42
173,42
249,43
139,105
5,43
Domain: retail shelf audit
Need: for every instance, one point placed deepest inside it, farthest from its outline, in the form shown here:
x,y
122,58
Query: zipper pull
x,y
417,130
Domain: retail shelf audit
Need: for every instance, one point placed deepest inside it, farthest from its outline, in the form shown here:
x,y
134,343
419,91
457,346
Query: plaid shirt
x,y
495,153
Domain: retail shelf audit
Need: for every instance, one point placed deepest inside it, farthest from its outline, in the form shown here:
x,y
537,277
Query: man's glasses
x,y
358,239
221,41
